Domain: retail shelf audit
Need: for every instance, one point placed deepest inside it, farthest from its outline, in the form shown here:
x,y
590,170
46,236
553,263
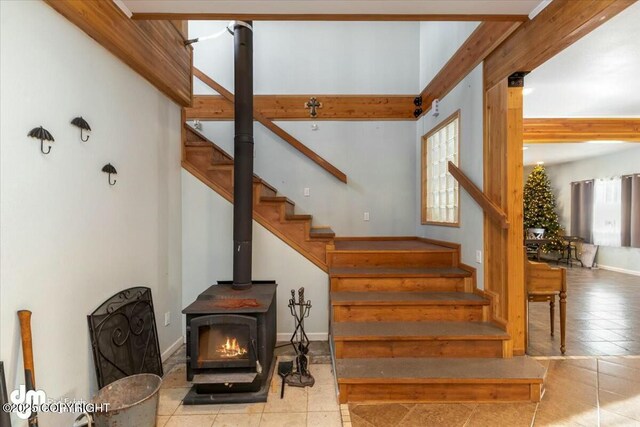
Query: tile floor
x,y
603,316
598,392
305,407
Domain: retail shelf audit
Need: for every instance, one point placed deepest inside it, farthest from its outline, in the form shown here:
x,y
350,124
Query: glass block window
x,y
440,193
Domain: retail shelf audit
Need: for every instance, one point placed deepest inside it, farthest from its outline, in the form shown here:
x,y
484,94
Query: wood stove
x,y
231,327
230,342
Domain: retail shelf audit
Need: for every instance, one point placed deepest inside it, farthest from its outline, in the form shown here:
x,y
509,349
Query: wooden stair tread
x,y
434,370
322,232
276,199
299,217
368,331
226,162
199,144
406,298
398,272
408,244
220,166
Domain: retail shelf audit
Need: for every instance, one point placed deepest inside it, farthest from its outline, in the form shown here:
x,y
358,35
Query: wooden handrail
x,y
287,137
487,205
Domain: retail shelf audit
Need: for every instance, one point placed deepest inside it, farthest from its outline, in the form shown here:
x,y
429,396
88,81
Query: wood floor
x,y
603,316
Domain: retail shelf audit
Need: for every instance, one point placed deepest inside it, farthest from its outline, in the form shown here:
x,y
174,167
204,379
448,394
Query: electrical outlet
x,y
366,216
307,192
479,257
167,318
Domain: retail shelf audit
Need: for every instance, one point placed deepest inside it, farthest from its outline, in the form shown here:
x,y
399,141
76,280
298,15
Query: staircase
x,y
407,322
407,326
214,167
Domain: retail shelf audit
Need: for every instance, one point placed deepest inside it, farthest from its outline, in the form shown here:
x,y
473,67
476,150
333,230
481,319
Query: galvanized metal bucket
x,y
133,402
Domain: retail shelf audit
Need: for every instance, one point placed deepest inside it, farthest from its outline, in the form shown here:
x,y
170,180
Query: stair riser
x,y
419,348
222,177
439,392
408,313
218,157
392,259
200,157
260,190
391,284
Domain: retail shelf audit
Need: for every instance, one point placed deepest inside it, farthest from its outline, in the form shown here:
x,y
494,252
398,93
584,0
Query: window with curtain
x,y
607,212
631,210
582,210
440,193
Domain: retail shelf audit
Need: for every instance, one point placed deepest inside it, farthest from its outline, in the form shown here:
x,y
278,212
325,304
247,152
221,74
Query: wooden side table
x,y
544,283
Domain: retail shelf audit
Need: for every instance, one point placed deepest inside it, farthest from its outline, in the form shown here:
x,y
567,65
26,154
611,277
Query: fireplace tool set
x,y
300,308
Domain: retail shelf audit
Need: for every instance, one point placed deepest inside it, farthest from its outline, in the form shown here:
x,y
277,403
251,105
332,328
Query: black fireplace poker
x,y
300,309
243,154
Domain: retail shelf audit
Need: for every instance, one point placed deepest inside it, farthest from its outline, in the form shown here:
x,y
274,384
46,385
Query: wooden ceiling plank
x,y
153,49
550,130
327,17
473,51
555,28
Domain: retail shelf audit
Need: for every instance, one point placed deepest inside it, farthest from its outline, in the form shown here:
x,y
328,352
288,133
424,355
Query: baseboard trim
x,y
172,349
313,336
619,270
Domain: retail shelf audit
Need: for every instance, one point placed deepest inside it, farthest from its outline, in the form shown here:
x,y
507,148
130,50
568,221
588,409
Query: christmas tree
x,y
540,208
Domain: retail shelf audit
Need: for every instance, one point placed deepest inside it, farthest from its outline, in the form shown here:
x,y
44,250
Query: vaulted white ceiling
x,y
596,76
472,7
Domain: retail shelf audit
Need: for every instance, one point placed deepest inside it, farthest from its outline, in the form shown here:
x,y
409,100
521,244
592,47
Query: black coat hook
x,y
83,125
43,135
108,168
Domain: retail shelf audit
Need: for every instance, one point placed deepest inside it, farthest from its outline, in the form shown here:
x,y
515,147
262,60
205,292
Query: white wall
x,y
466,97
614,164
69,240
207,228
438,42
325,58
318,57
377,158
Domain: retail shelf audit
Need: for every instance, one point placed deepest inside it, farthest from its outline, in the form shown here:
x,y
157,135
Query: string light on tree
x,y
540,207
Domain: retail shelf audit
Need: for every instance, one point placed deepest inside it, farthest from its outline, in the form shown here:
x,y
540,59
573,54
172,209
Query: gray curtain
x,y
582,210
631,211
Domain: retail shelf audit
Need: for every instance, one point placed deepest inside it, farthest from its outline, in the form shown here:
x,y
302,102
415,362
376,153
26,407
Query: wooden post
x,y
503,169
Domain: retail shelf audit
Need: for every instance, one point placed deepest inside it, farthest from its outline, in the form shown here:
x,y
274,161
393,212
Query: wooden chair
x,y
544,283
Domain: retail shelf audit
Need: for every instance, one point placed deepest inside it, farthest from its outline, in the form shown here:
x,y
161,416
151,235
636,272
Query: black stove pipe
x,y
243,154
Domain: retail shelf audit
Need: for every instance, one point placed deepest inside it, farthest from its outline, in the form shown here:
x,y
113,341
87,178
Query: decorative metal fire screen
x,y
124,337
223,341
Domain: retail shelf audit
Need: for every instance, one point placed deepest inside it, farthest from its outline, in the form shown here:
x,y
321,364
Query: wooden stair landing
x,y
439,379
391,244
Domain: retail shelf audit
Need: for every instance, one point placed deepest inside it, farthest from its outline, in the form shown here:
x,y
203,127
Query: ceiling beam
x,y
551,130
473,51
153,49
325,17
286,136
292,107
555,28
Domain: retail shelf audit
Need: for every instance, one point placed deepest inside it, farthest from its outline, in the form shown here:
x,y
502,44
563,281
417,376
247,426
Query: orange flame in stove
x,y
231,348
